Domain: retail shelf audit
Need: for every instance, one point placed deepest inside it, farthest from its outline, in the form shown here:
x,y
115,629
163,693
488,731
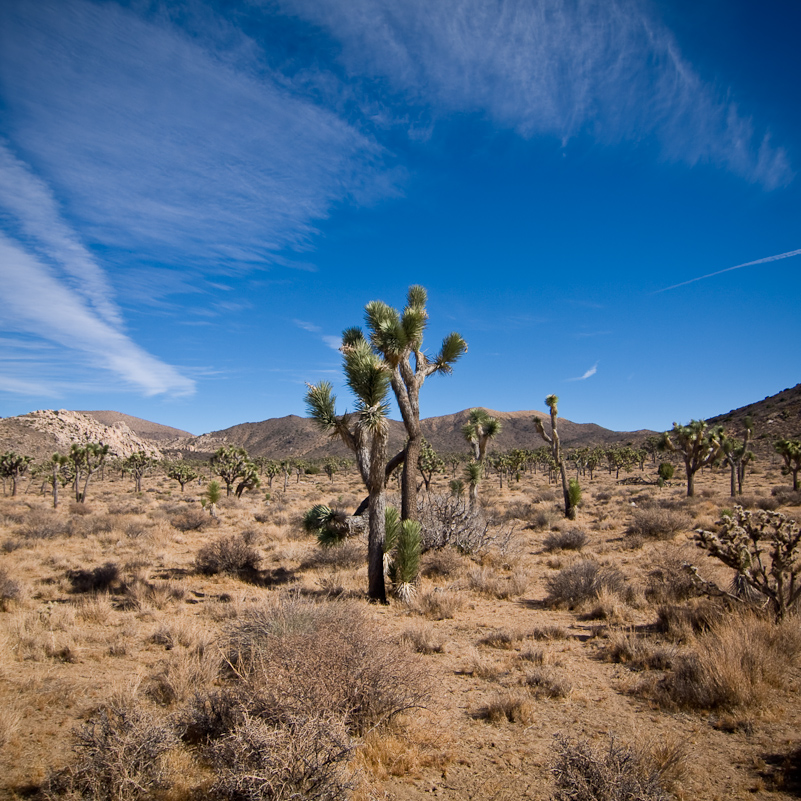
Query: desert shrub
x,y
786,496
119,756
443,562
666,471
549,632
657,523
297,655
10,590
617,773
519,510
98,579
574,539
79,509
581,582
303,758
603,496
501,638
669,581
540,519
764,548
437,604
681,622
231,555
191,520
735,663
40,524
492,584
638,652
767,503
349,554
424,639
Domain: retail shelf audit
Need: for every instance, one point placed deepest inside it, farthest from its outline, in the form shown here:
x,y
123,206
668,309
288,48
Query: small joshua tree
x,y
212,497
137,464
14,466
556,452
86,460
182,472
698,446
429,463
765,550
790,450
231,464
736,455
479,429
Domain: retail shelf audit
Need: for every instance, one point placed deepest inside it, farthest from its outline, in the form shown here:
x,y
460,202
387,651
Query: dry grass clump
x,y
639,653
766,503
437,604
735,664
618,773
489,583
681,622
10,590
545,682
514,706
424,639
346,555
442,562
186,672
97,579
582,582
43,524
668,580
786,496
119,754
502,638
574,539
231,555
549,632
657,523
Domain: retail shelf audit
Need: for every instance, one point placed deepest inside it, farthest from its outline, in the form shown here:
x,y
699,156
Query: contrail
x,y
729,269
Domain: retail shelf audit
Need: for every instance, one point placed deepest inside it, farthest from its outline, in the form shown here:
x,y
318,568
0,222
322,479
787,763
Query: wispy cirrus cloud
x,y
550,67
333,342
591,372
176,147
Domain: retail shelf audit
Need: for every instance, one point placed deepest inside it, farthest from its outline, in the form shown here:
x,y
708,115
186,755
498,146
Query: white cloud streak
x,y
591,372
35,300
729,269
551,67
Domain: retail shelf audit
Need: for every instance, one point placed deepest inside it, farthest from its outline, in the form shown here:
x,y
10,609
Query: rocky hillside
x,y
153,432
776,417
42,433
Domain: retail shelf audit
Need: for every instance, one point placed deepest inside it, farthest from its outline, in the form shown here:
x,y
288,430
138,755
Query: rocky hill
x,y
145,429
776,417
42,433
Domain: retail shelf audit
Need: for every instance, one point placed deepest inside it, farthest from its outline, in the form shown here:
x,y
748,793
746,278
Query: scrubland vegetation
x,y
649,648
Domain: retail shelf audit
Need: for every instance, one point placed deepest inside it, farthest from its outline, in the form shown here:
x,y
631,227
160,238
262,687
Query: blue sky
x,y
197,198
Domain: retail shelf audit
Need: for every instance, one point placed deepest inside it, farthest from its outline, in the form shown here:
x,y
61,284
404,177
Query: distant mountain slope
x,y
775,417
142,428
299,437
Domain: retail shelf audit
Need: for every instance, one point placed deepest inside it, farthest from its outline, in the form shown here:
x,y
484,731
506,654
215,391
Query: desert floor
x,y
506,669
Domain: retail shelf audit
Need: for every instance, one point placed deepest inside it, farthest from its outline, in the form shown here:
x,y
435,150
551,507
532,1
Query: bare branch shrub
x,y
191,520
765,550
438,604
41,524
618,773
10,590
581,582
119,756
448,520
304,758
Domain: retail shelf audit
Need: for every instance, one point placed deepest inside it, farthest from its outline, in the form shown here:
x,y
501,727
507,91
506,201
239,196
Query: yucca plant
x,y
327,524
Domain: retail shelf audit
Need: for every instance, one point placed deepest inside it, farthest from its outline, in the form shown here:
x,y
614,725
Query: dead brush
x,y
582,582
119,756
681,622
444,562
573,539
437,604
186,672
11,591
617,773
43,524
488,582
549,632
502,638
231,555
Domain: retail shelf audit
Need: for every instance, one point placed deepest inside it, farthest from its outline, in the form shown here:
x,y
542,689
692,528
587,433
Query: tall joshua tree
x,y
736,455
397,337
365,432
790,450
556,452
697,444
479,429
14,465
86,460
